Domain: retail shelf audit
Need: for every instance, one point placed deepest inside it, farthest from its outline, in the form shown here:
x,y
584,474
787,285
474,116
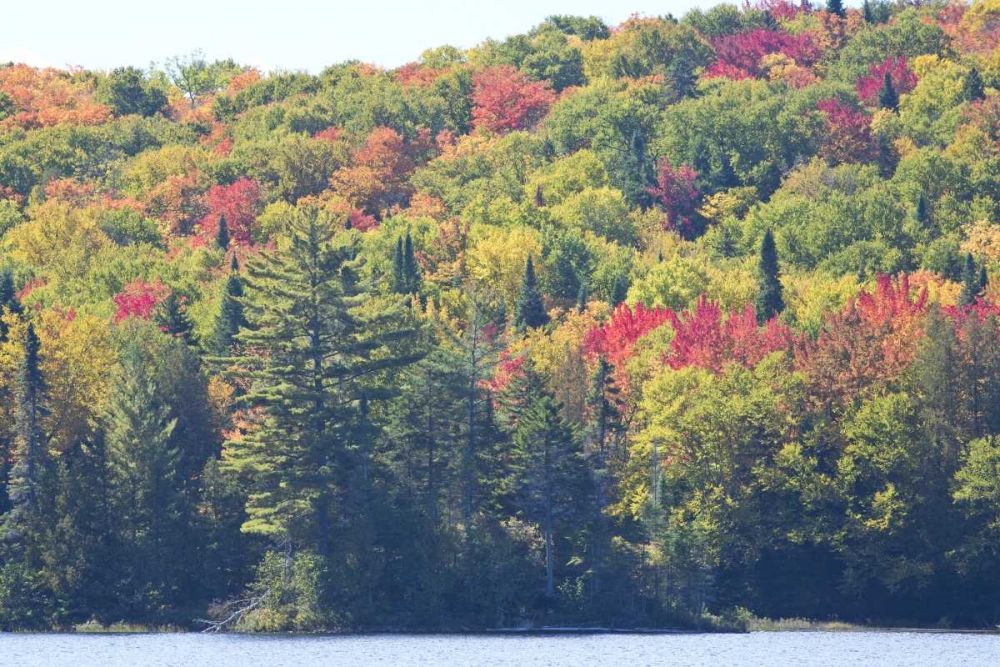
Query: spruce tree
x,y
619,291
972,86
983,281
866,9
29,473
922,214
970,282
8,299
887,96
222,235
319,354
582,298
398,271
530,310
230,319
411,270
836,7
770,301
173,319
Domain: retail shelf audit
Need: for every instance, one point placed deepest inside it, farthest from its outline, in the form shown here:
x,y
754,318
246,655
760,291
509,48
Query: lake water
x,y
828,649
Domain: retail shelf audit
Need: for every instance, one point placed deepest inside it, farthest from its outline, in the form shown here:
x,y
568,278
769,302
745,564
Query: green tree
x,y
530,311
8,299
128,92
619,290
230,319
888,98
836,7
222,235
971,288
972,86
770,301
173,319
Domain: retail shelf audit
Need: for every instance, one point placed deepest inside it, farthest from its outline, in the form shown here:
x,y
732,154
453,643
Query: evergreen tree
x,y
866,9
582,298
24,523
8,299
222,235
972,86
604,420
922,214
149,508
398,270
887,96
983,280
173,319
230,319
320,352
970,282
550,475
770,301
836,7
411,270
530,311
619,291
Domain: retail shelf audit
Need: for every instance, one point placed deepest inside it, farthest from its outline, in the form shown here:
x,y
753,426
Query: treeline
x,y
643,325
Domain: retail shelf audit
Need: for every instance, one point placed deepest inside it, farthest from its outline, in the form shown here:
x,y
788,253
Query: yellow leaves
x,y
567,176
982,239
149,170
497,257
923,65
727,203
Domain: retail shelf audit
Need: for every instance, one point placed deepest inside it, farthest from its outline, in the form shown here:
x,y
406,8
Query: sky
x,y
278,34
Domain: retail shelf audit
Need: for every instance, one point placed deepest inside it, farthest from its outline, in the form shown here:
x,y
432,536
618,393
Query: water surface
x,y
829,649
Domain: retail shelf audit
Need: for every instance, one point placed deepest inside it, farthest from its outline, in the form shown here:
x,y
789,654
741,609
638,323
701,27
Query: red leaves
x,y
505,100
378,177
903,80
139,299
849,137
616,339
739,56
676,192
240,203
703,340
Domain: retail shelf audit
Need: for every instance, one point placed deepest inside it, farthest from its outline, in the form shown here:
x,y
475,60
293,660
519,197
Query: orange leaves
x,y
47,97
240,203
378,177
616,339
506,100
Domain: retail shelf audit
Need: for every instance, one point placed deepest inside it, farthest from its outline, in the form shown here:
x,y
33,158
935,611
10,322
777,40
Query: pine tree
x,y
983,281
866,9
230,319
604,421
8,299
836,7
582,298
173,319
411,270
30,471
550,475
970,282
770,301
530,311
398,270
619,291
319,353
147,503
972,86
922,214
887,96
222,235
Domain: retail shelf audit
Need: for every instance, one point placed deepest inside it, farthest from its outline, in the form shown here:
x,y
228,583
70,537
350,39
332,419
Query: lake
x,y
829,649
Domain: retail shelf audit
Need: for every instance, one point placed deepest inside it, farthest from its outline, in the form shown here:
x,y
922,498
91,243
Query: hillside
x,y
612,325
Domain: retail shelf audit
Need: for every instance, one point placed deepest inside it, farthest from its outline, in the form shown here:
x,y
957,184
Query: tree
x,y
550,473
770,301
127,91
530,312
888,98
8,300
172,317
222,235
30,473
972,86
230,319
505,100
922,214
836,7
971,287
619,291
312,353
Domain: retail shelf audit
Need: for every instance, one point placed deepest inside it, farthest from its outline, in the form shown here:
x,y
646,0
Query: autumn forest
x,y
674,323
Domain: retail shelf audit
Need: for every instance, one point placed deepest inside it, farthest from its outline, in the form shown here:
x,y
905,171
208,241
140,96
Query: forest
x,y
664,324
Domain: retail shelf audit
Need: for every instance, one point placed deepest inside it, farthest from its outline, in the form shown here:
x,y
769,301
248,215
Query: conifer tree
x,y
30,472
411,270
866,9
173,319
770,301
8,299
222,235
398,271
922,214
888,98
836,7
319,356
582,297
619,291
530,311
971,287
230,319
972,86
550,474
